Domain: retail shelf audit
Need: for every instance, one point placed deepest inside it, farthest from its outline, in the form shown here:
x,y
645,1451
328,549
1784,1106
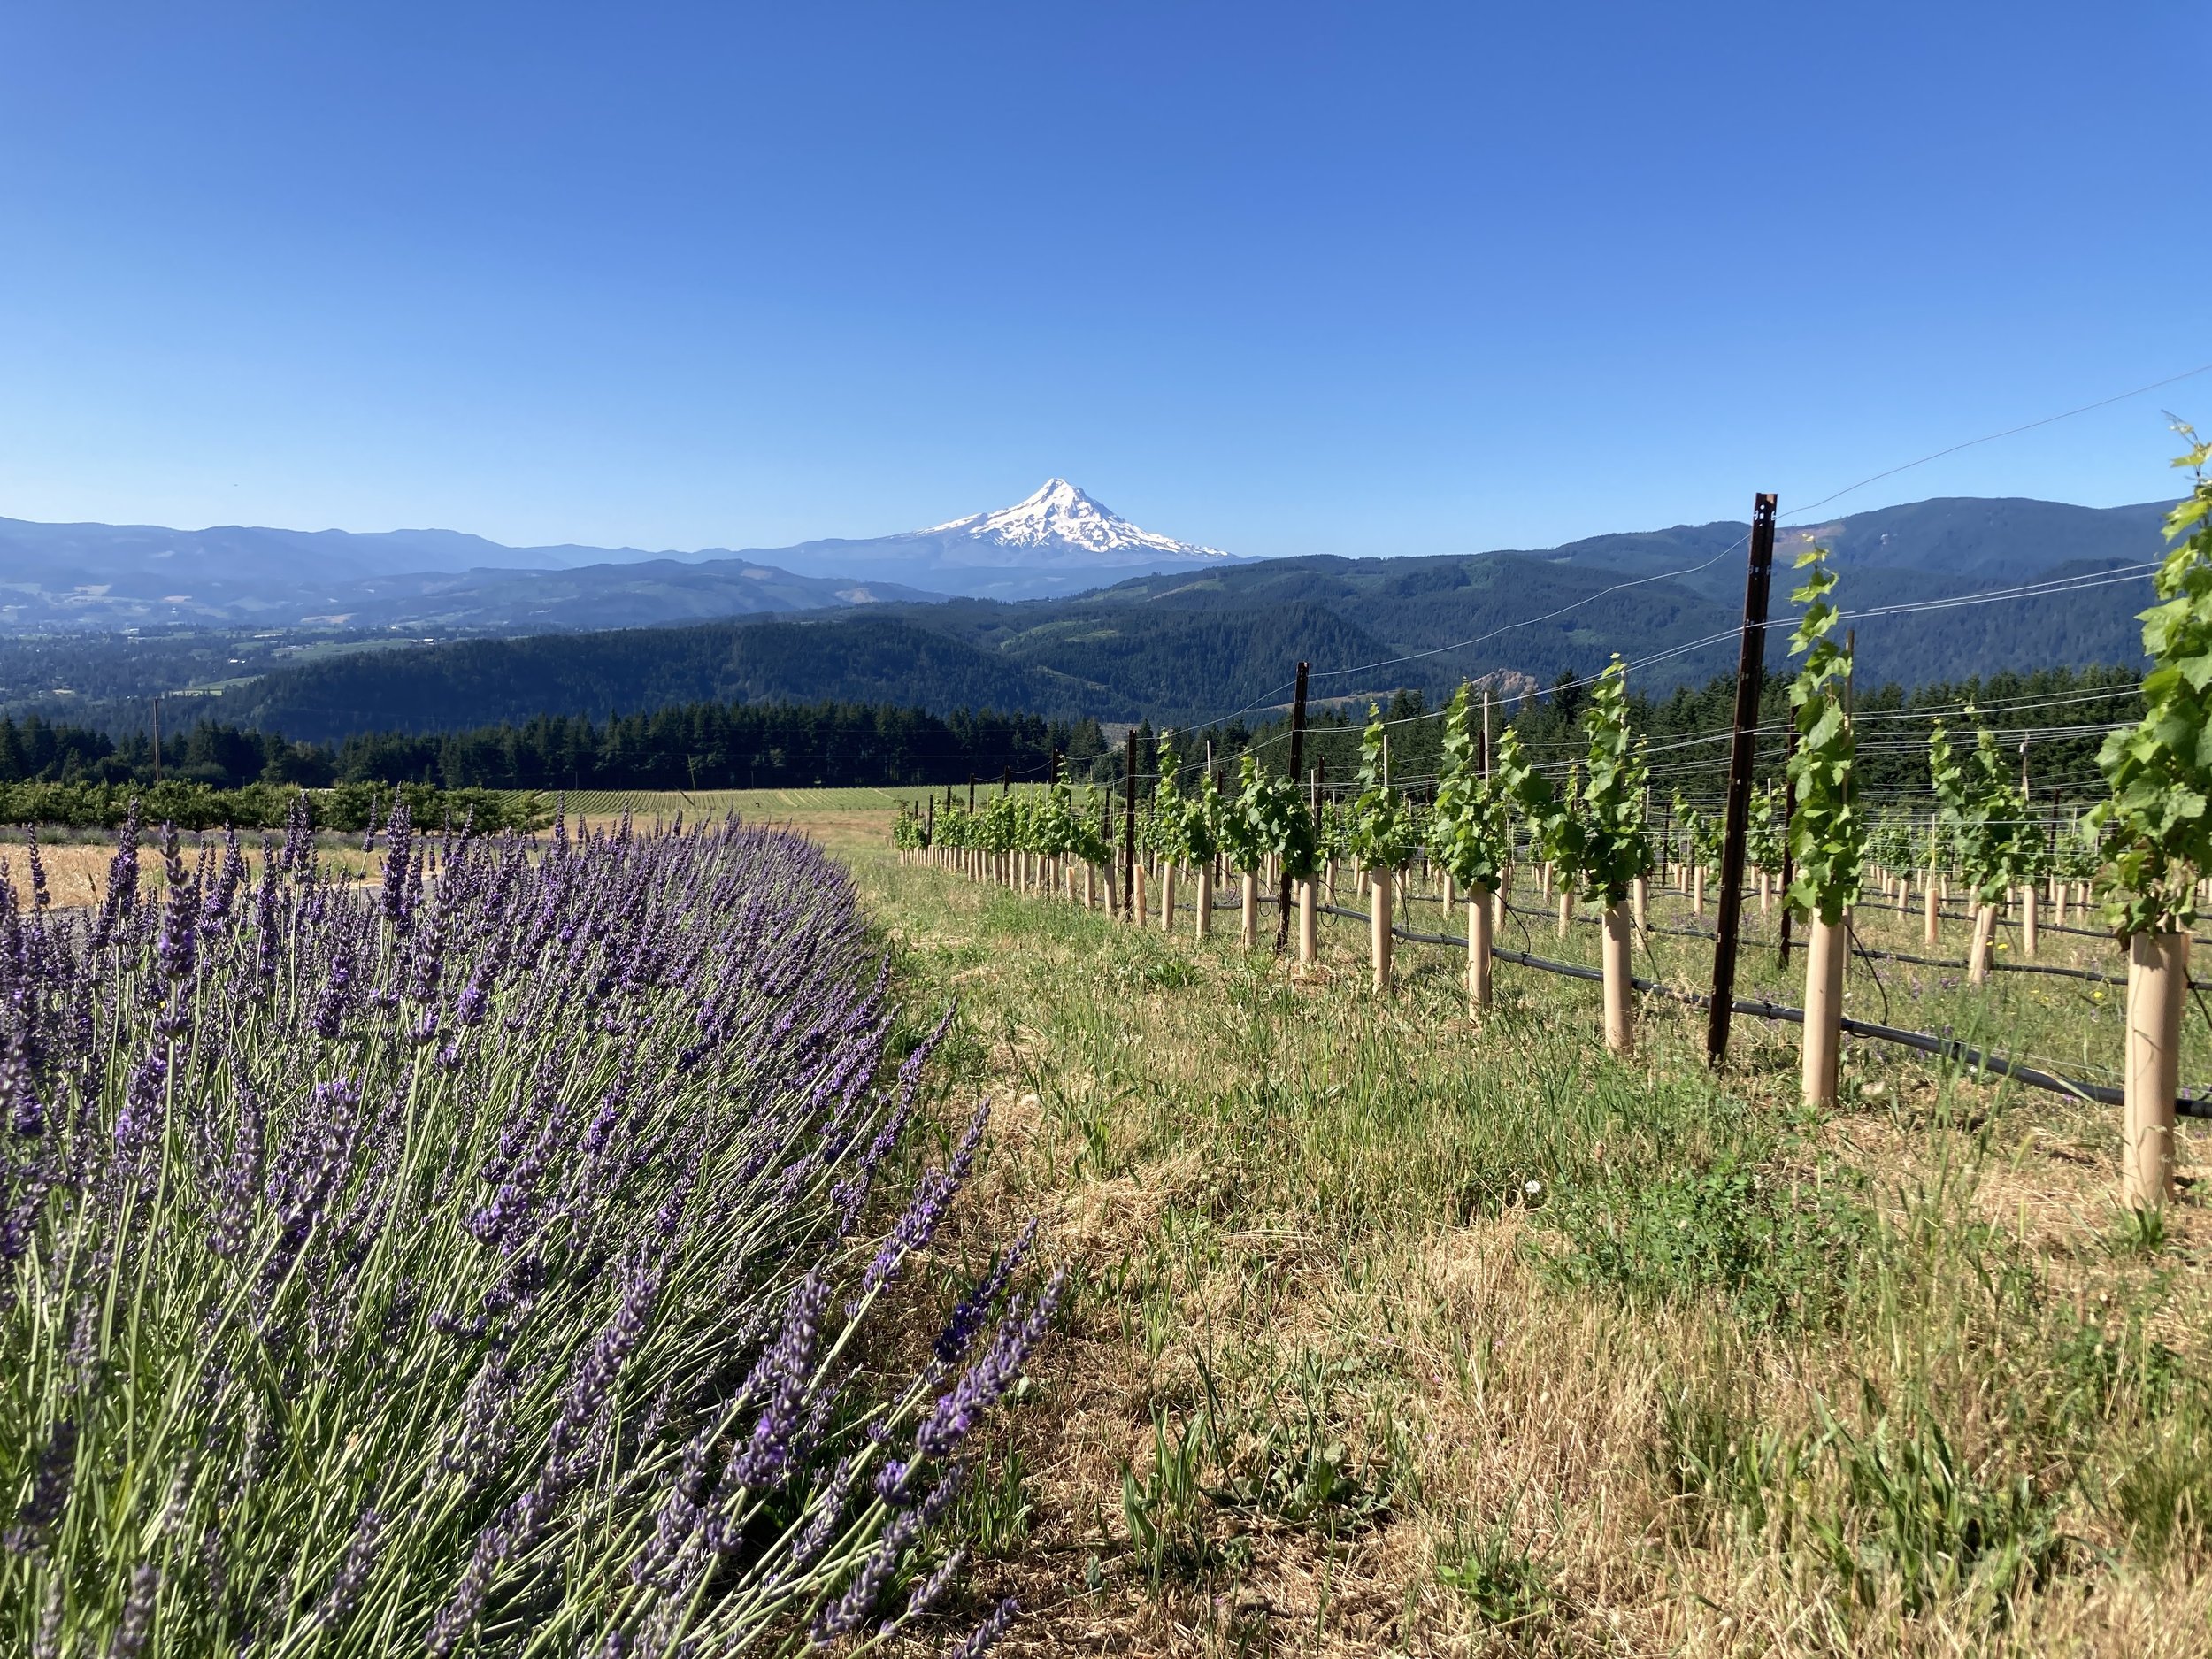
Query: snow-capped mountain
x,y
1059,541
1060,516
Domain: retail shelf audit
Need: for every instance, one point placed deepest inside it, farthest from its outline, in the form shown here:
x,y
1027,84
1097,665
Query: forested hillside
x,y
2061,713
872,659
703,746
1180,648
1179,651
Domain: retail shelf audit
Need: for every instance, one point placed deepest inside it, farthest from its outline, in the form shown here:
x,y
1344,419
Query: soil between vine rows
x,y
1401,1334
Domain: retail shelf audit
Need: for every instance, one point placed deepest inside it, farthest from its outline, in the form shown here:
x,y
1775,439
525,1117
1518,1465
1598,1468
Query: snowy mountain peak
x,y
1061,518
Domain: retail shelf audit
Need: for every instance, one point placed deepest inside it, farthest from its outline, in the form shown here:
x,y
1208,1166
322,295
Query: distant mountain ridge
x,y
1195,643
1059,539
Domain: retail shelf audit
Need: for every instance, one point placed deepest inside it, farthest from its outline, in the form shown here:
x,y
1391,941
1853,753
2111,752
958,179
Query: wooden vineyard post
x,y
1250,937
1297,771
1932,911
1620,1005
1129,911
1167,895
1308,894
1380,939
1825,958
1977,957
1207,869
2031,902
1566,906
1736,825
1481,912
1640,895
1697,888
2158,978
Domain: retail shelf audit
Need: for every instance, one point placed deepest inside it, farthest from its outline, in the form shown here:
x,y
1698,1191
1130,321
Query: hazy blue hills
x,y
1057,541
98,577
1194,644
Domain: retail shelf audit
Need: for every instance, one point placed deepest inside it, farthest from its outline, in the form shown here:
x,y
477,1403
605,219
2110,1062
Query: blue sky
x,y
1358,278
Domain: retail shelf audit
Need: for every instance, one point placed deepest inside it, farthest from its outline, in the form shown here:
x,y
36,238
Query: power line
x,y
2009,432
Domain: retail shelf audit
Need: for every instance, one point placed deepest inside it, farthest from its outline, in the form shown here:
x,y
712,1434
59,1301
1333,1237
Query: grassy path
x,y
1397,1334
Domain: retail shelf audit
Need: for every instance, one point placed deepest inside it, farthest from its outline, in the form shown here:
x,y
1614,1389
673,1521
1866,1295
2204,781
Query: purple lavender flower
x,y
354,1568
829,1512
299,836
50,1482
337,992
470,1010
180,929
142,1122
987,1379
932,1194
398,860
239,1182
850,1611
137,1623
784,1372
39,897
927,1592
975,1307
987,1633
680,1514
18,1090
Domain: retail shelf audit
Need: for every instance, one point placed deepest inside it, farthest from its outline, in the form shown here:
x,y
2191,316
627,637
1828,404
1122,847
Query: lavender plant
x,y
473,1263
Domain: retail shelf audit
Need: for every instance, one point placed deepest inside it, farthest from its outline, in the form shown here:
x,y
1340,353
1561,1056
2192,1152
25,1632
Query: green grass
x,y
1400,1332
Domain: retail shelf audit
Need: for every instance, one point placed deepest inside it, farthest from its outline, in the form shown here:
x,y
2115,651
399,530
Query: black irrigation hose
x,y
2187,1102
2050,970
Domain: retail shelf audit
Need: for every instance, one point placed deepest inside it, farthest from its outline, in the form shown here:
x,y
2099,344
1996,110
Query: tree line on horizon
x,y
831,744
689,745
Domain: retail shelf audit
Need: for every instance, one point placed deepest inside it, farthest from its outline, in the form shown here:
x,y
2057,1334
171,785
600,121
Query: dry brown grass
x,y
1256,1183
77,871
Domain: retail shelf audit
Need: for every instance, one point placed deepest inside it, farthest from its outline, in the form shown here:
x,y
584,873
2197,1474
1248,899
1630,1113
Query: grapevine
x,y
1827,829
1384,835
2154,833
1471,831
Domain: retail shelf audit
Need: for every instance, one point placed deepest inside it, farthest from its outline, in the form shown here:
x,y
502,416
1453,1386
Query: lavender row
x,y
475,1261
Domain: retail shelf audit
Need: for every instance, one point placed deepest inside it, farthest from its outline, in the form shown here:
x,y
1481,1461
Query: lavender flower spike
x,y
988,1632
987,1381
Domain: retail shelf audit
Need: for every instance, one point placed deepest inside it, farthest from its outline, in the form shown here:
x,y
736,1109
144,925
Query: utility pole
x,y
1742,752
1129,836
1297,770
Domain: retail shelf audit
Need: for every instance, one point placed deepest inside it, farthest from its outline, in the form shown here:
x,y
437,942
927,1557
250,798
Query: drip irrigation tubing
x,y
2188,1103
